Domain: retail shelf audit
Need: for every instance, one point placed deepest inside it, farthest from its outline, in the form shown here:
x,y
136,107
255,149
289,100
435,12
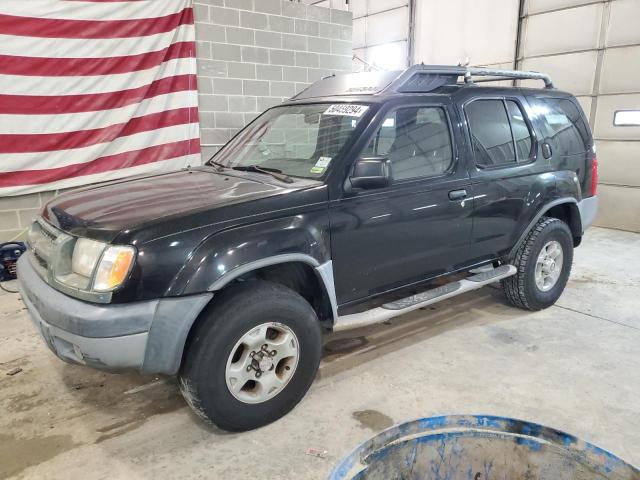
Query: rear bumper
x,y
145,336
588,208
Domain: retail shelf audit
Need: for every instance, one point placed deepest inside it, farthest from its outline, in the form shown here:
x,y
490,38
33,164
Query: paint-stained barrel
x,y
479,447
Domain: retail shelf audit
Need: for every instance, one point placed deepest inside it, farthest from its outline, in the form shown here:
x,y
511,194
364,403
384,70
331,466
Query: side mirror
x,y
371,172
546,150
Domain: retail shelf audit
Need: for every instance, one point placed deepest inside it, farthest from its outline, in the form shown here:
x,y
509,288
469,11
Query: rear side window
x,y
416,140
563,126
500,134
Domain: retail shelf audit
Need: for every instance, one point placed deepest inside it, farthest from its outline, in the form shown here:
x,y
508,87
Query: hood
x,y
103,211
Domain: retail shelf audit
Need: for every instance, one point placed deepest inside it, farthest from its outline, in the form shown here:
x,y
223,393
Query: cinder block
x,y
283,89
265,103
268,6
240,36
19,202
242,103
282,57
241,4
305,59
225,51
294,42
203,50
281,24
224,16
26,216
255,55
227,86
213,103
306,27
295,10
319,45
205,85
294,74
255,87
325,30
341,16
210,33
13,235
207,152
342,32
315,74
241,70
268,39
51,194
269,72
9,220
207,119
259,21
211,68
217,3
229,120
201,13
214,136
329,62
250,117
319,14
339,47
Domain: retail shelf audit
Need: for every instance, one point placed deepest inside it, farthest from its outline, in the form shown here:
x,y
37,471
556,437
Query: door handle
x,y
457,194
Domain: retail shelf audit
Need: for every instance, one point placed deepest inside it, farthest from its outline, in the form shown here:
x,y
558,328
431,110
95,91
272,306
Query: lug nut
x,y
273,352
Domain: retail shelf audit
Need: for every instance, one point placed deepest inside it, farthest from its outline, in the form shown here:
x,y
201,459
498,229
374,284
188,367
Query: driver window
x,y
416,140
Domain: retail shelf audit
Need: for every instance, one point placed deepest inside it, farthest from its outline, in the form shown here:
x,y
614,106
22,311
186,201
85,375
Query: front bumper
x,y
146,336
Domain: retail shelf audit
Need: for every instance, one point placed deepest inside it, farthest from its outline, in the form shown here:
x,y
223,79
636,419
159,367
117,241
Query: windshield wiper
x,y
219,165
274,172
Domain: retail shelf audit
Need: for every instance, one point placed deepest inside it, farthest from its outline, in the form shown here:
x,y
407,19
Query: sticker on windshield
x,y
321,165
346,109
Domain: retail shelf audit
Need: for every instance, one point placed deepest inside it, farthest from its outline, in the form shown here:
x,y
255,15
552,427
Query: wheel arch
x,y
565,209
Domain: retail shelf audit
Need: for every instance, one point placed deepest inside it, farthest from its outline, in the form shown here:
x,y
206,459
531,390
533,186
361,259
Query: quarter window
x,y
416,140
563,125
490,133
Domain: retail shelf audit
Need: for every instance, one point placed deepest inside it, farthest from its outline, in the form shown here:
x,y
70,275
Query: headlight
x,y
114,267
85,256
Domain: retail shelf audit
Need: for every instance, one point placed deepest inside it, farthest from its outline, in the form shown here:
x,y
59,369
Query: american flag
x,y
95,90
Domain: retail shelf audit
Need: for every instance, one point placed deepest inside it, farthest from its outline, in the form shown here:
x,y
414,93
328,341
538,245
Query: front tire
x,y
544,263
252,357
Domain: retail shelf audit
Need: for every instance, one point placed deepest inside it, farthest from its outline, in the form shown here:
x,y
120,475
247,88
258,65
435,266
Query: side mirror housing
x,y
371,172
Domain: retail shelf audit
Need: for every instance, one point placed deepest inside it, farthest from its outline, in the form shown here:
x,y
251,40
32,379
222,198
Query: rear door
x,y
507,172
414,229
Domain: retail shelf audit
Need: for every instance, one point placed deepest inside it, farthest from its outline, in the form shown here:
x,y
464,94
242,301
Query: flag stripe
x,y
48,142
94,91
99,165
64,67
39,104
59,28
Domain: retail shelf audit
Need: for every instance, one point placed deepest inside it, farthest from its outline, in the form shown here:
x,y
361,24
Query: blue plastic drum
x,y
478,447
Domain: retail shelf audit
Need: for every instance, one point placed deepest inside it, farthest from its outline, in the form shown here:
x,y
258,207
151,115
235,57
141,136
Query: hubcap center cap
x,y
265,363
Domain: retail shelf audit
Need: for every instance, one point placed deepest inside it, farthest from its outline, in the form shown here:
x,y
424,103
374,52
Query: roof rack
x,y
424,78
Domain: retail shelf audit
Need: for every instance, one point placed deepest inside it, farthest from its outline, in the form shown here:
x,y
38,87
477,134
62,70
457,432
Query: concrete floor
x,y
575,367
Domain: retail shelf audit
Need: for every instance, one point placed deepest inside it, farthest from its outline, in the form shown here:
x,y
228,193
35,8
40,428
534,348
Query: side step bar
x,y
414,302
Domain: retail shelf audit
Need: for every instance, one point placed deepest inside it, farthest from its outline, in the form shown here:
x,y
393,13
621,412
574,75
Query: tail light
x,y
594,175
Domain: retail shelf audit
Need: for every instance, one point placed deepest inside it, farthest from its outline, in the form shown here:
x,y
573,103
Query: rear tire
x,y
544,263
252,357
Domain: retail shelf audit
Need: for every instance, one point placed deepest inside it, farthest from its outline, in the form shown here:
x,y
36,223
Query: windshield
x,y
299,140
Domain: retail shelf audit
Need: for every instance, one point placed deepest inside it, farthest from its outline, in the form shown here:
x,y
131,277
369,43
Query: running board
x,y
414,302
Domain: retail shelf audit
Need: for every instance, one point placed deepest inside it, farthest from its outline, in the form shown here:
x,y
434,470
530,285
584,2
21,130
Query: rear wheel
x,y
544,264
253,356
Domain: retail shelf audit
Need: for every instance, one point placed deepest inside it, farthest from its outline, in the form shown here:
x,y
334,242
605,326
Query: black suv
x,y
364,197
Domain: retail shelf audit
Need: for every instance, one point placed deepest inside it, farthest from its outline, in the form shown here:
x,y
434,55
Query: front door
x,y
415,229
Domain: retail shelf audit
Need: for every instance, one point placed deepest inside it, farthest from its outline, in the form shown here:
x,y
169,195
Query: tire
x,y
521,289
223,341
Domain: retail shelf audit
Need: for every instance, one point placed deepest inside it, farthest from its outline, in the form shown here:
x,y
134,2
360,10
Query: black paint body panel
x,y
194,226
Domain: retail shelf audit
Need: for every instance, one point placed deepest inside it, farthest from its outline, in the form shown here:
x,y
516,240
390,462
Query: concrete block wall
x,y
16,214
253,54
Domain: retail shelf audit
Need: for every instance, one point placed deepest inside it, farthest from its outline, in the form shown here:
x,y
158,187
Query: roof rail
x,y
424,78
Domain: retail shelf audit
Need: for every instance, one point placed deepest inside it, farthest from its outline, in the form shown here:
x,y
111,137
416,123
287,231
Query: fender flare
x,y
324,272
539,215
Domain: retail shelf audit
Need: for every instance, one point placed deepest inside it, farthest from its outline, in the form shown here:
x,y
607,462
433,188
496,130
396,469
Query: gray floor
x,y
575,367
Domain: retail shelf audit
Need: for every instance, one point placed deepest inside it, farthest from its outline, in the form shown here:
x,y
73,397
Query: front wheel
x,y
544,263
252,357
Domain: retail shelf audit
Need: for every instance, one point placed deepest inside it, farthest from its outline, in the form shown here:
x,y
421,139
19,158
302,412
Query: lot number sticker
x,y
321,165
346,109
